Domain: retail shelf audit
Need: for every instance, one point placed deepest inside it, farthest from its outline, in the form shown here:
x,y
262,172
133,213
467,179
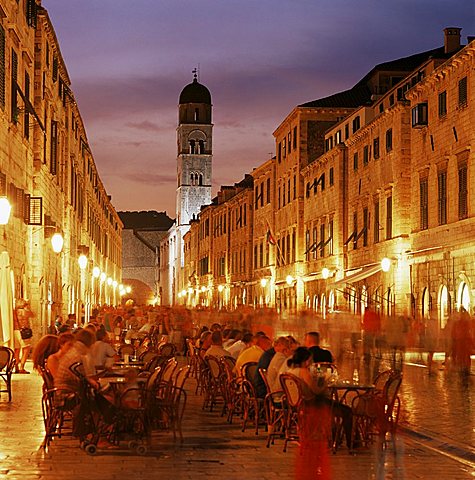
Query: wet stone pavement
x,y
439,408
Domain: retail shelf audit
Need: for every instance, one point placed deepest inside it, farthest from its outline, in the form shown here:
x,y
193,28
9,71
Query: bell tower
x,y
195,152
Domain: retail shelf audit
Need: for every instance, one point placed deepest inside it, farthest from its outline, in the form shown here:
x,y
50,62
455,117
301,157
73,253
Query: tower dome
x,y
195,92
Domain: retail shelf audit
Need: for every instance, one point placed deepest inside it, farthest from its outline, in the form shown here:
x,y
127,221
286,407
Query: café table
x,y
339,391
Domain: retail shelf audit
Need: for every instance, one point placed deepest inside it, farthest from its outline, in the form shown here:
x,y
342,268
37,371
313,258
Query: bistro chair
x,y
216,384
273,410
292,402
231,389
7,363
252,405
377,413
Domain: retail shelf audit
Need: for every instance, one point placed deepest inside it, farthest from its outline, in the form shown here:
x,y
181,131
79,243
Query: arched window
x,y
201,148
192,146
200,179
426,303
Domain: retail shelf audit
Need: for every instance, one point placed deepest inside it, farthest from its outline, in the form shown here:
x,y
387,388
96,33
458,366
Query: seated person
x,y
319,355
102,353
216,348
240,345
253,353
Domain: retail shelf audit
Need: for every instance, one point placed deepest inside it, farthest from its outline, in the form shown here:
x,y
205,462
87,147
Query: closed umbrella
x,y
6,302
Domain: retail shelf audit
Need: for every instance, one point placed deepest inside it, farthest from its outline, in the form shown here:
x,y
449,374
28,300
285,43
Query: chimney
x,y
451,39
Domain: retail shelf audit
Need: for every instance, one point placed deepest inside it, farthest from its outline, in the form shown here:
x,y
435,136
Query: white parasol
x,y
6,302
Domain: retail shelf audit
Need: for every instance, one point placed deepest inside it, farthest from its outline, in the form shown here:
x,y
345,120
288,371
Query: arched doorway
x,y
315,303
463,296
363,299
426,303
323,306
331,301
444,306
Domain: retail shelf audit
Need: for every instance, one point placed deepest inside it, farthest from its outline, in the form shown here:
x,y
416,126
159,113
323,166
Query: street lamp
x,y
220,288
289,279
325,273
385,264
263,282
5,210
57,242
82,260
96,272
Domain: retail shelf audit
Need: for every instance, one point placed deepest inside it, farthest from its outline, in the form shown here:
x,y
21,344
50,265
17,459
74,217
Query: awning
x,y
359,275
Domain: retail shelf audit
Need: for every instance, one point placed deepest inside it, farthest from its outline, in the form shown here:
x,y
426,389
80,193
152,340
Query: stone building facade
x,y
368,200
48,174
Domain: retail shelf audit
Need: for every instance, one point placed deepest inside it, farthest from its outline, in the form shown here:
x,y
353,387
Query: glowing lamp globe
x,y
96,272
385,264
263,282
109,281
5,210
103,277
128,289
325,273
220,288
82,260
289,279
57,242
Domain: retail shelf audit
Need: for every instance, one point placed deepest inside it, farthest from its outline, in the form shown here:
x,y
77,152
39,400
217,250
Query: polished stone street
x,y
436,441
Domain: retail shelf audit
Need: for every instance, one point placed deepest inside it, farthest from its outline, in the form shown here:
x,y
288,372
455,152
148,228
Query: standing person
x,y
462,342
371,326
431,339
22,334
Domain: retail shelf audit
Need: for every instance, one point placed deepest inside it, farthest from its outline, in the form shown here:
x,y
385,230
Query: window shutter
x,y
2,67
463,206
35,210
463,91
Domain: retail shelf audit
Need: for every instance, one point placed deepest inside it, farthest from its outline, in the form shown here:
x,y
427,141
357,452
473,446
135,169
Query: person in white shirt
x,y
216,349
240,345
282,353
102,353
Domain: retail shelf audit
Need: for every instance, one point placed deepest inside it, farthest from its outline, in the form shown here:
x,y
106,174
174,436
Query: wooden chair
x,y
273,410
231,389
167,350
377,413
216,386
7,364
252,405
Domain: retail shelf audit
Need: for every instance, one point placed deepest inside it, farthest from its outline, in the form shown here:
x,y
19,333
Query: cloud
x,y
149,126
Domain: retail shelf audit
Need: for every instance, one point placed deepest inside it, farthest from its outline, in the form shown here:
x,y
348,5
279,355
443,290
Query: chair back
x,y
391,389
263,374
182,375
7,359
48,381
168,370
152,363
214,366
167,350
381,379
292,387
153,379
248,371
147,356
230,361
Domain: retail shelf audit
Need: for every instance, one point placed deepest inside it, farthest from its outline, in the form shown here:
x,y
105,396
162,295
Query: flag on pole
x,y
270,238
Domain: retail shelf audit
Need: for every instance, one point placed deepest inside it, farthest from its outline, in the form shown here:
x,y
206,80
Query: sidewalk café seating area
x,y
284,414
139,395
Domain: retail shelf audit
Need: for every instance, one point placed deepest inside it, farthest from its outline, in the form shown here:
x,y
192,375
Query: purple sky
x,y
129,60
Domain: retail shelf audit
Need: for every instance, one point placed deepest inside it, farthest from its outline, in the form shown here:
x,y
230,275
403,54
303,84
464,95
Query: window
x,y
261,255
307,190
389,218
268,190
295,138
330,237
442,104
365,226
442,193
289,142
347,131
295,187
389,140
355,161
26,125
463,92
14,76
424,203
322,239
307,245
284,147
262,194
294,246
463,192
376,222
365,155
356,124
255,256
314,242
376,148
331,178
197,114
288,190
55,69
279,152
2,66
355,231
283,194
419,115
256,198
338,137
54,148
